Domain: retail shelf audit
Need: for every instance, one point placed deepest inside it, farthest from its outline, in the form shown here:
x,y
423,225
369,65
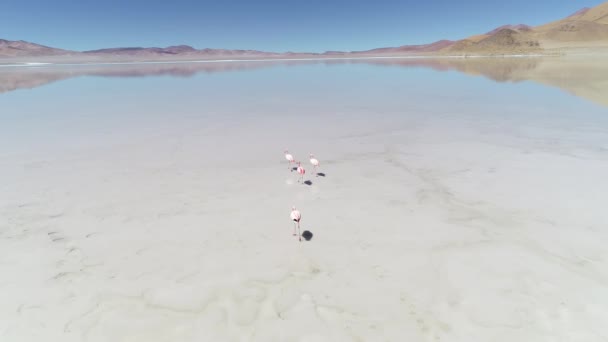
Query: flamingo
x,y
296,217
315,163
301,171
290,160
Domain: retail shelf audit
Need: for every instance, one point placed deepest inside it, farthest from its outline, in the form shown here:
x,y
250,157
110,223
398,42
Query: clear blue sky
x,y
272,25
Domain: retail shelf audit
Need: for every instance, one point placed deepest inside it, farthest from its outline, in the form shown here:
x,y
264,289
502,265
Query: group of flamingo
x,y
300,169
295,215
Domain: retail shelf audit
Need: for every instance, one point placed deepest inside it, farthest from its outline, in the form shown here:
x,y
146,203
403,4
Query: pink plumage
x,y
301,171
295,214
296,217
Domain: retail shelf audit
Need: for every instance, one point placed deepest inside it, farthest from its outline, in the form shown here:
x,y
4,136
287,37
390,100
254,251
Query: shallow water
x,y
462,200
95,100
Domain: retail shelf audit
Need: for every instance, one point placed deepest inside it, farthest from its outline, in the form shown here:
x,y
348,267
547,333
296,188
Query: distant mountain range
x,y
586,29
25,49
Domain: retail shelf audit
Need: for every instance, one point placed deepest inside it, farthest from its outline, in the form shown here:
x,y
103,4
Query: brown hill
x,y
587,28
588,24
579,12
433,47
598,14
503,41
519,28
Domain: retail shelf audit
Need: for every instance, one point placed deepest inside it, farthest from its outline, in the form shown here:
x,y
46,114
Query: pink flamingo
x,y
290,160
296,217
315,163
301,171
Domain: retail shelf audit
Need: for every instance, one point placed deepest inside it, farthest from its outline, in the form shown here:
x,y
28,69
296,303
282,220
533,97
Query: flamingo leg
x,y
299,233
294,228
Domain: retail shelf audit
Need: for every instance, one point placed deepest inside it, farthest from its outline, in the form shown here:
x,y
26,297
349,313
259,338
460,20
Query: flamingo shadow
x,y
321,174
307,235
308,182
295,168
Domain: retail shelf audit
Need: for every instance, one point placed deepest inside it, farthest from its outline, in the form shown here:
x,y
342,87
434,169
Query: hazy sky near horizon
x,y
271,25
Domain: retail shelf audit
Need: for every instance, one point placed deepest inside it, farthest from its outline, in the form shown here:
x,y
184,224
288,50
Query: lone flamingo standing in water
x,y
290,160
301,171
315,163
296,217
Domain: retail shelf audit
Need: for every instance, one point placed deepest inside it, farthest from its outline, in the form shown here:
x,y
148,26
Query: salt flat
x,y
452,208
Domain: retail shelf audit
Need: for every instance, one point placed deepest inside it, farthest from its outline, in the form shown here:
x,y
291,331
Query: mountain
x,y
579,12
519,28
22,48
588,24
433,47
171,50
181,50
585,30
499,41
25,50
